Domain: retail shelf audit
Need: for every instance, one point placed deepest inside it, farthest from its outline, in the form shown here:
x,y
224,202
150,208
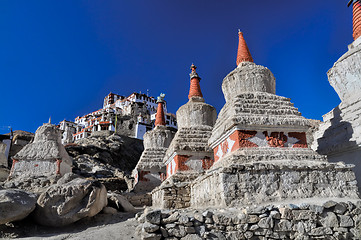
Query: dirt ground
x,y
100,227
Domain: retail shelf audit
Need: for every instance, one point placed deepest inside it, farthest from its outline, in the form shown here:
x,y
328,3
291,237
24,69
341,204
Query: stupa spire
x,y
195,89
243,54
356,18
159,118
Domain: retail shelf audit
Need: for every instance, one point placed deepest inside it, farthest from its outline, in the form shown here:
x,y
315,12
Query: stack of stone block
x,y
150,170
188,154
339,135
260,149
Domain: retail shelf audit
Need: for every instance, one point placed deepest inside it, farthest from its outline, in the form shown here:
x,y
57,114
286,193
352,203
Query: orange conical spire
x,y
195,89
356,19
243,54
159,118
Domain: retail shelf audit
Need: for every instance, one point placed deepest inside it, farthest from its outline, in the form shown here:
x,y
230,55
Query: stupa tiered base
x,y
264,175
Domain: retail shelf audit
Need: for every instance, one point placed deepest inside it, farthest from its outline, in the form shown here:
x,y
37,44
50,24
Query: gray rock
x,y
200,230
254,227
340,208
266,222
191,237
121,202
248,234
346,221
199,217
209,221
64,204
300,228
258,210
207,214
150,228
275,214
171,219
320,231
234,236
286,213
329,204
190,230
15,205
153,217
170,225
68,177
183,219
164,232
253,218
216,235
150,236
284,225
303,214
316,209
328,220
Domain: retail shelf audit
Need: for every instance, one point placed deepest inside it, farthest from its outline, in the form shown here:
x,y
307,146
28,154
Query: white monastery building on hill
x,y
131,116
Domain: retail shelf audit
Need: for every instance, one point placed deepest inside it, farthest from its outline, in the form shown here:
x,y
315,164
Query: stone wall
x,y
171,196
266,182
331,220
139,199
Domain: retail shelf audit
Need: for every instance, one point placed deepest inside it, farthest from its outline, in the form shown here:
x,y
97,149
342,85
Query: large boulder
x,y
63,204
15,205
120,202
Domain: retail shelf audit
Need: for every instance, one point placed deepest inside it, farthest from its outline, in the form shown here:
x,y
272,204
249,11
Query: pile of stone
x,y
330,220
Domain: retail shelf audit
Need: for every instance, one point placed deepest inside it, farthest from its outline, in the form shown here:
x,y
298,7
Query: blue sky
x,y
60,58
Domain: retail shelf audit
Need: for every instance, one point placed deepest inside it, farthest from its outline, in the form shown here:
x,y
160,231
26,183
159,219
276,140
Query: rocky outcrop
x,y
103,153
65,203
330,220
15,205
